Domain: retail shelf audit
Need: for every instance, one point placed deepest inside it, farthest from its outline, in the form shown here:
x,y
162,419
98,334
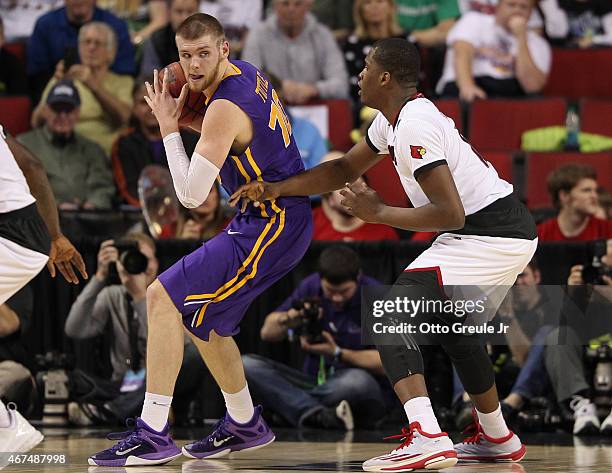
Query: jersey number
x,y
278,115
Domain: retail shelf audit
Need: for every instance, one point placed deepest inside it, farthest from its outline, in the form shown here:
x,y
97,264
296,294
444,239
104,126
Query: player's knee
x,y
473,366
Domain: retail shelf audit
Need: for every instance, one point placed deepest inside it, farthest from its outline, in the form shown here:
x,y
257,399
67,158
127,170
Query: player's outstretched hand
x,y
255,191
64,256
361,201
166,108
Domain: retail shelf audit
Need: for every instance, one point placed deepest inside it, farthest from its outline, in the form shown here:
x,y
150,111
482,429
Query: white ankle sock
x,y
493,423
5,420
419,410
239,405
155,410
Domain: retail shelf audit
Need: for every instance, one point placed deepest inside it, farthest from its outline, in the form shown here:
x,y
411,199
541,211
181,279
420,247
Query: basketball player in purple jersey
x,y
245,136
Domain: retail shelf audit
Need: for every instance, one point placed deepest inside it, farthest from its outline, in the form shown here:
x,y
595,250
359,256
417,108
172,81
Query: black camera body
x,y
130,257
593,273
313,327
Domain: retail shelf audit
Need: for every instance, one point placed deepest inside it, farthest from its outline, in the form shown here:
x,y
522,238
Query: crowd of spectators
x,y
84,69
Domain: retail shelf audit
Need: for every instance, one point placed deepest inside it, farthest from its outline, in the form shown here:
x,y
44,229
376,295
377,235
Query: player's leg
x,y
150,442
243,427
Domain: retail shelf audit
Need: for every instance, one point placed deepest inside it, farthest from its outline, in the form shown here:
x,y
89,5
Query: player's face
x,y
583,197
201,60
339,294
368,80
180,10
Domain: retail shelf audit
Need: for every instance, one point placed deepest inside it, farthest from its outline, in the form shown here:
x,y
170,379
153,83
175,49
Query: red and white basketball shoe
x,y
419,450
480,448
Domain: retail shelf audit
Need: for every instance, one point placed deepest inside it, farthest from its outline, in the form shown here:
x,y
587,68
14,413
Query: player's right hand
x,y
107,254
254,191
65,257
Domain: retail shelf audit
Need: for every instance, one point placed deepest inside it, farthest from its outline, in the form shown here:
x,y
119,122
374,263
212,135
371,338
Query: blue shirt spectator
x,y
311,144
55,37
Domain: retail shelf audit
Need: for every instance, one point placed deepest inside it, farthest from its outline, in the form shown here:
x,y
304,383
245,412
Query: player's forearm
x,y
527,73
39,185
366,359
428,218
323,178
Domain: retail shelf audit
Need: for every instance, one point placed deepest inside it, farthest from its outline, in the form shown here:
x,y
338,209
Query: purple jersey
x,y
273,154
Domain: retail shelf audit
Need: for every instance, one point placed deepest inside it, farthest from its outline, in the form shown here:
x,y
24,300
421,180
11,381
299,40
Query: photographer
x,y
337,368
122,303
587,310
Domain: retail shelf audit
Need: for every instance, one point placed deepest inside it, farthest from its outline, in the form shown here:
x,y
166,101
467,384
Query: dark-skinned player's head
x,y
391,66
202,47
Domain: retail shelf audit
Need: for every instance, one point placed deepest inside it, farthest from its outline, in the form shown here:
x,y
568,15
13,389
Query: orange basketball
x,y
195,102
176,78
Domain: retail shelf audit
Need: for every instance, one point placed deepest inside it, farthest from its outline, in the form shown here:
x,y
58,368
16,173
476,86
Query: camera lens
x,y
133,261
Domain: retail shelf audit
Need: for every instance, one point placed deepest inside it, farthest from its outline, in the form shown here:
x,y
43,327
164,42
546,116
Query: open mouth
x,y
195,77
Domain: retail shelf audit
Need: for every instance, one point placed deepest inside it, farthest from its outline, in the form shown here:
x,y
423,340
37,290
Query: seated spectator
x,y
488,7
106,97
77,168
336,15
428,21
332,222
56,37
337,368
201,223
582,23
160,49
293,46
121,303
495,56
143,16
21,15
236,17
16,381
564,356
374,20
13,79
573,188
140,145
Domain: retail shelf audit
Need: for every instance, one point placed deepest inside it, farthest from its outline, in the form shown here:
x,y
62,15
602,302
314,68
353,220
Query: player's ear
x,y
225,48
385,78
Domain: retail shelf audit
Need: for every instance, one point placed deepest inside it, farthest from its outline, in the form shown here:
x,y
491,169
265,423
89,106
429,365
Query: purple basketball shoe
x,y
229,436
140,446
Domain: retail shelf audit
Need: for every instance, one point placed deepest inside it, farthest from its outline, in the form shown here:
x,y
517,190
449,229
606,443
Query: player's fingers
x,y
165,82
156,86
51,268
243,206
149,103
70,271
77,260
62,270
182,98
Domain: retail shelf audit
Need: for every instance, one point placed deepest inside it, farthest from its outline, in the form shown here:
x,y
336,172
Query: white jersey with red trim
x,y
14,191
421,138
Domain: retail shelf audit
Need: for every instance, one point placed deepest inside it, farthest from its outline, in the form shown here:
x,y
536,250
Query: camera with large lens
x,y
312,327
594,273
130,257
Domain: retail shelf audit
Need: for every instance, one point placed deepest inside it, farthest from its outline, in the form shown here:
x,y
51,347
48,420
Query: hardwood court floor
x,y
545,453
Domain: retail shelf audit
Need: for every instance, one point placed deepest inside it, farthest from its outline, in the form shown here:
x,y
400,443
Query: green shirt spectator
x,y
428,20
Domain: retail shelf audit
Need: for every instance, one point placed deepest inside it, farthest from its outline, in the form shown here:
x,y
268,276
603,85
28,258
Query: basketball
x,y
195,102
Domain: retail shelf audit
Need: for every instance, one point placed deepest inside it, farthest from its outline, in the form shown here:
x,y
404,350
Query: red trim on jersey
x,y
418,95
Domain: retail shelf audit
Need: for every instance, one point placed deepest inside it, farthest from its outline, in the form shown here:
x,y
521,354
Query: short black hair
x,y
339,264
400,58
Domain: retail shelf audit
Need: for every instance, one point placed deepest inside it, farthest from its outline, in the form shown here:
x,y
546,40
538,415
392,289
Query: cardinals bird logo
x,y
417,152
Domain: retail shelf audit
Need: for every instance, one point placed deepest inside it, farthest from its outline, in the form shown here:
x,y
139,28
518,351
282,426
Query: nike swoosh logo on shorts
x,y
123,452
230,232
218,444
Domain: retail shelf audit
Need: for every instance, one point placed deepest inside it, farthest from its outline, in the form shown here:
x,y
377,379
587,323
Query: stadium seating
x,y
497,125
15,114
540,165
502,162
452,109
578,73
596,116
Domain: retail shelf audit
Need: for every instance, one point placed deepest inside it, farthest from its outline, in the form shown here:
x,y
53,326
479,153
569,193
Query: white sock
x,y
240,405
493,424
419,410
5,420
155,410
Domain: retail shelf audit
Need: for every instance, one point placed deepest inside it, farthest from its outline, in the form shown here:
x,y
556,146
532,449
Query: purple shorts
x,y
213,286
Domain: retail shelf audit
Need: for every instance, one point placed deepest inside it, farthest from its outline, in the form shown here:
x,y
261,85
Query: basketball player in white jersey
x,y
27,243
487,237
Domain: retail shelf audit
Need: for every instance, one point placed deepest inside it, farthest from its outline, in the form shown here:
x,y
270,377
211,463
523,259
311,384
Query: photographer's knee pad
x,y
400,361
472,363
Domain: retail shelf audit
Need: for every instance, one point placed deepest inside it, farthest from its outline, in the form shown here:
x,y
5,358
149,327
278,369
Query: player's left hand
x,y
362,201
326,348
166,108
64,256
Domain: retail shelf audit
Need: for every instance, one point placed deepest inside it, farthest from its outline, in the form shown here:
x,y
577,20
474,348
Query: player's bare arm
x,y
444,212
325,177
63,254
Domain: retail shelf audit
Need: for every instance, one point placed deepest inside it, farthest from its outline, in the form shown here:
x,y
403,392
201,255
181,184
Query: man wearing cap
x,y
77,167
